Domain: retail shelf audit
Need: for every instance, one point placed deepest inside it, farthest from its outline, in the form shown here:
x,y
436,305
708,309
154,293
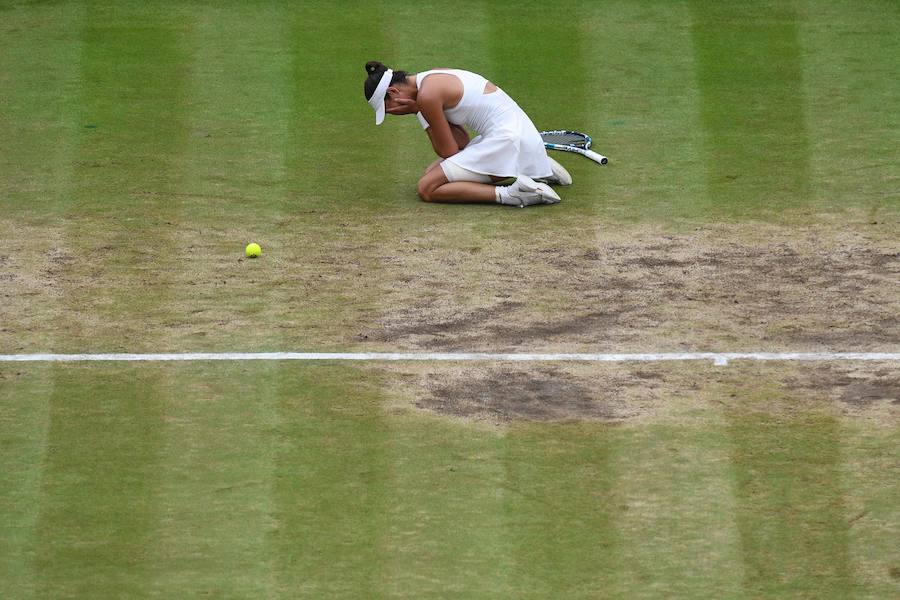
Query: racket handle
x,y
597,158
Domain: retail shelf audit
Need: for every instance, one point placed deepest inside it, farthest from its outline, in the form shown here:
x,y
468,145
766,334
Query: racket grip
x,y
597,158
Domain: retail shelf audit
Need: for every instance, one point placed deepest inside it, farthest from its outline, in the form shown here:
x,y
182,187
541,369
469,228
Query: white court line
x,y
718,358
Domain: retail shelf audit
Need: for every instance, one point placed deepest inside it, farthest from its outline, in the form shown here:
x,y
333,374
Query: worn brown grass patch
x,y
734,287
390,286
538,394
501,393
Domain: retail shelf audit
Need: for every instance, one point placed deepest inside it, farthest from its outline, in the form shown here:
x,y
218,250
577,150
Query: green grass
x,y
285,481
143,144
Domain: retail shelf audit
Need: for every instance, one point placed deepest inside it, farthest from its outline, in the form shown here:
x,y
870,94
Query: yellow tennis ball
x,y
252,250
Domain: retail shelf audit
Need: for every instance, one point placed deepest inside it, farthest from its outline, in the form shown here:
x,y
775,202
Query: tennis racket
x,y
572,141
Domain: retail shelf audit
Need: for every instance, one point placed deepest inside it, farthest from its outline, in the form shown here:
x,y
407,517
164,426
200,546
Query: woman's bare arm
x,y
460,135
442,139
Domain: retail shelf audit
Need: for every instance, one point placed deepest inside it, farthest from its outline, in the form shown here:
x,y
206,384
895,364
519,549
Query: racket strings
x,y
566,138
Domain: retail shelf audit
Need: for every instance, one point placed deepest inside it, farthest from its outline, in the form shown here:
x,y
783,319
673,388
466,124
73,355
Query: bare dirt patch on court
x,y
539,394
502,393
33,265
856,387
452,285
719,288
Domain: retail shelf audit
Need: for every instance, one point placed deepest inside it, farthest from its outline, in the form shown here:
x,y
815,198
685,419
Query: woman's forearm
x,y
460,135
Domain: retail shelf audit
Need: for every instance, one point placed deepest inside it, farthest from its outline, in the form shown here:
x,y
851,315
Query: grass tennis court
x,y
751,204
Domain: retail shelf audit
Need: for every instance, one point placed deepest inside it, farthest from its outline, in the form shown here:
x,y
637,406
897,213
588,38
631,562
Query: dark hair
x,y
375,72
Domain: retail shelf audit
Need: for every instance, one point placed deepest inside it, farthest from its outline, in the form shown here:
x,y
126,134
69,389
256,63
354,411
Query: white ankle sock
x,y
502,192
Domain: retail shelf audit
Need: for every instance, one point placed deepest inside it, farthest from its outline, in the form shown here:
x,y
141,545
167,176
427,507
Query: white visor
x,y
377,99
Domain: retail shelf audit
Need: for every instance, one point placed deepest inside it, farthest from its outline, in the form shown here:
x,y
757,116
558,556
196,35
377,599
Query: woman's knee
x,y
430,182
424,189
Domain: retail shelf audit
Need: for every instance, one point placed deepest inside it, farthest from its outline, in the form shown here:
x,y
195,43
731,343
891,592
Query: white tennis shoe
x,y
560,175
525,191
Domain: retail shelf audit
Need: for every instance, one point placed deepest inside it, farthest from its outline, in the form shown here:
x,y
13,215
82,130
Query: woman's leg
x,y
434,187
433,165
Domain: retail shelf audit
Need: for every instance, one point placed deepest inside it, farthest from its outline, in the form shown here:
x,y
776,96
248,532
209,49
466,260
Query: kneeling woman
x,y
445,102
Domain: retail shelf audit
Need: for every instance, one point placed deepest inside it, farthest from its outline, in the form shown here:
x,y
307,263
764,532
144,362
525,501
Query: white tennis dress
x,y
508,145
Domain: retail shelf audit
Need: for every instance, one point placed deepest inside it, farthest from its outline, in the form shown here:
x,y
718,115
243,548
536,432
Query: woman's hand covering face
x,y
401,106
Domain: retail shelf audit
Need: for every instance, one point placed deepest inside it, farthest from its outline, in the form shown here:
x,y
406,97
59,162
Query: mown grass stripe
x,y
39,66
330,465
446,533
642,105
562,505
100,507
24,421
667,484
851,58
675,488
790,509
331,476
221,452
752,99
214,482
869,478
